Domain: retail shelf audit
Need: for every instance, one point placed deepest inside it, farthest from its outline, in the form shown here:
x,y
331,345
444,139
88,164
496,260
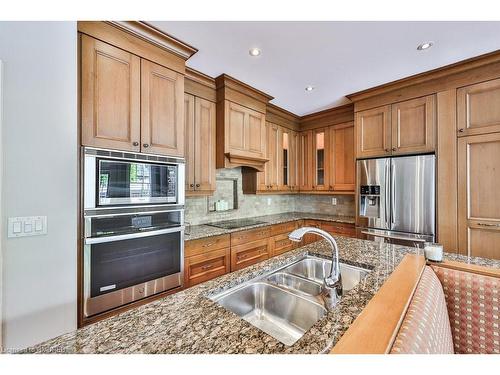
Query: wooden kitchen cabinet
x,y
310,238
162,111
110,96
373,132
321,159
247,254
250,235
343,229
281,244
293,165
478,203
206,266
342,163
129,103
305,162
478,108
414,126
200,145
273,155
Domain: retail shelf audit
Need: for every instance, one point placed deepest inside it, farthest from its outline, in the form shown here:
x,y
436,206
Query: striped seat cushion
x,y
474,310
425,328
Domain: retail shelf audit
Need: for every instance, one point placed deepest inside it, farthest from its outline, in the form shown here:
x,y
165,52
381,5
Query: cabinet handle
x,y
387,150
488,225
209,244
207,267
461,130
145,145
135,144
394,149
197,185
191,185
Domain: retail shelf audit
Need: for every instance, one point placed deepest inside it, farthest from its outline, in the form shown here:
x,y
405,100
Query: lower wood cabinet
x,y
310,238
246,236
280,244
247,254
206,266
347,230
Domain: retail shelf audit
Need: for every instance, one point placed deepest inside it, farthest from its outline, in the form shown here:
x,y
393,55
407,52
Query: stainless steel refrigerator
x,y
396,198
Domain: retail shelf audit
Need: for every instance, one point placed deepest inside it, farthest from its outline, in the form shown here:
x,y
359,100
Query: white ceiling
x,y
337,58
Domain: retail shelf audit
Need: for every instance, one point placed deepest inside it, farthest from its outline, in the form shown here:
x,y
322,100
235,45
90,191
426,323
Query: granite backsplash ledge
x,y
197,208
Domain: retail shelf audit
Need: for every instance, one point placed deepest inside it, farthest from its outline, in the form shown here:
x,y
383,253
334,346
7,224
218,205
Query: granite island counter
x,y
189,322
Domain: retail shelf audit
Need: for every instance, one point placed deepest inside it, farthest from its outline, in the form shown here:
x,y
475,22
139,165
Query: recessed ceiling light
x,y
254,52
425,45
309,88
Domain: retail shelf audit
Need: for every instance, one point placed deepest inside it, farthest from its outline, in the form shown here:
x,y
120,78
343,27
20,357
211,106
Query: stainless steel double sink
x,y
287,302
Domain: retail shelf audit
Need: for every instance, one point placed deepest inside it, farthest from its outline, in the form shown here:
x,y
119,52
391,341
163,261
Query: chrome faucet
x,y
332,284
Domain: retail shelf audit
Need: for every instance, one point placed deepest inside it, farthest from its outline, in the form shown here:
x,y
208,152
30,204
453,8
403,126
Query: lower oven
x,y
130,256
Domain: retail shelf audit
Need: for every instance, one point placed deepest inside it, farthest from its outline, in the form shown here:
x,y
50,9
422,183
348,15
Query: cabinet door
x,y
478,108
249,253
263,177
110,96
293,161
204,135
235,130
373,132
342,168
162,110
413,125
310,238
189,139
347,230
281,244
245,131
255,136
305,160
273,147
321,159
478,203
284,159
206,266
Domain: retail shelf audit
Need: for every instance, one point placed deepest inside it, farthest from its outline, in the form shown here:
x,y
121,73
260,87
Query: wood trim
x,y
226,81
199,84
438,73
282,117
375,329
245,161
328,117
151,34
203,245
129,42
447,183
465,267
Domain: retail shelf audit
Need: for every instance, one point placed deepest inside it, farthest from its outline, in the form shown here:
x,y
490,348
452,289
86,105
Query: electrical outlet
x,y
268,201
334,201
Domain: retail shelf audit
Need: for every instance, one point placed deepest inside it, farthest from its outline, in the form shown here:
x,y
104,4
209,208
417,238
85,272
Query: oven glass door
x,y
120,264
124,182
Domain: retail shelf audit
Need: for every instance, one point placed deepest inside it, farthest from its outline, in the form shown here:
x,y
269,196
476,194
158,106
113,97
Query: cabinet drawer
x,y
339,228
310,238
202,245
281,244
200,268
283,228
250,235
249,253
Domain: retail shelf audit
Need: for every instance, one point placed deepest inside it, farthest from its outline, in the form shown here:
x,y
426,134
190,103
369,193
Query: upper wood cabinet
x,y
478,203
293,164
241,124
111,96
321,159
478,108
402,128
305,162
413,125
162,117
373,132
129,103
288,160
342,165
200,145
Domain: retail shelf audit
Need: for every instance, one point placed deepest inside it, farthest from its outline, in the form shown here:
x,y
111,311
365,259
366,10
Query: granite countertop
x,y
200,231
189,322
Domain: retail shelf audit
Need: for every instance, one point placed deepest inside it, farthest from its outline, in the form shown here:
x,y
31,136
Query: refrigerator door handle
x,y
387,195
393,193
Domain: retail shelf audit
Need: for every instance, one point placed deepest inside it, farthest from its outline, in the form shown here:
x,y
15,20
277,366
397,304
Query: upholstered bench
x,y
441,308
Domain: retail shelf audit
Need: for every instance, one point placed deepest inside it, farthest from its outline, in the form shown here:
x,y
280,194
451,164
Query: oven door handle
x,y
96,240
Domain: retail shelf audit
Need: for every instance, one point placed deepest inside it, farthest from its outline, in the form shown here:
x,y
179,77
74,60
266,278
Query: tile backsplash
x,y
249,205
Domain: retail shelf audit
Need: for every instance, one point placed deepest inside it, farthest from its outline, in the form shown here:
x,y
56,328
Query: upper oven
x,y
114,179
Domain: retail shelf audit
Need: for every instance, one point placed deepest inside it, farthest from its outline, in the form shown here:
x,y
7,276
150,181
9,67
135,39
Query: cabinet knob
x,y
145,145
191,185
394,149
387,150
135,144
461,130
197,185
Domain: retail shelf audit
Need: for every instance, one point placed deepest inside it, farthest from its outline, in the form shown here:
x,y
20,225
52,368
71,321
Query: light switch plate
x,y
24,226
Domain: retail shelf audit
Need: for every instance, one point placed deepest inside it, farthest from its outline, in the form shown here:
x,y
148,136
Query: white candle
x,y
433,251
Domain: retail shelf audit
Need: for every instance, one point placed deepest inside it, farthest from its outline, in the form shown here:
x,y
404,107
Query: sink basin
x,y
287,302
279,313
295,283
316,269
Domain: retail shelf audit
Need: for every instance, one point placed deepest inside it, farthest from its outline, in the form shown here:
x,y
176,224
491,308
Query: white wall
x,y
40,178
